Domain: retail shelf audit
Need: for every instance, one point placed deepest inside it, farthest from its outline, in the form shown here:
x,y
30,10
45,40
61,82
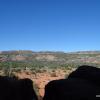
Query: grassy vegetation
x,y
41,61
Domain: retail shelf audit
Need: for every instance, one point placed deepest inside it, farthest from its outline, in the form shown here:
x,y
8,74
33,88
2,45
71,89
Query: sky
x,y
50,25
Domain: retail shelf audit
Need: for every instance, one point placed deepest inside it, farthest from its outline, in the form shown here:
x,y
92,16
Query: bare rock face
x,y
46,57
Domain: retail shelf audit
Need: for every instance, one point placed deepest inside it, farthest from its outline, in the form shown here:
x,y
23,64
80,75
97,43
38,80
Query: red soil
x,y
41,79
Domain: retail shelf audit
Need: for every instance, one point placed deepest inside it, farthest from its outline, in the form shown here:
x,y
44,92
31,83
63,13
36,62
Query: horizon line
x,y
63,51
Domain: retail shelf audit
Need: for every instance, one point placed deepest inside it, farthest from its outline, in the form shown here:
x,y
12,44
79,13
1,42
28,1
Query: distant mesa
x,y
57,58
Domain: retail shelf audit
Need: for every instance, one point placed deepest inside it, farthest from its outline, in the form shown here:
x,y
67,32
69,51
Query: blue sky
x,y
50,25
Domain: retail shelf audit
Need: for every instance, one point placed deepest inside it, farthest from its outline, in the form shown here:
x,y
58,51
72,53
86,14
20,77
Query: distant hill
x,y
49,57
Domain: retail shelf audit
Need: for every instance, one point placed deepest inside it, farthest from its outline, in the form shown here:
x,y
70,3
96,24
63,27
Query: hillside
x,y
50,59
43,67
